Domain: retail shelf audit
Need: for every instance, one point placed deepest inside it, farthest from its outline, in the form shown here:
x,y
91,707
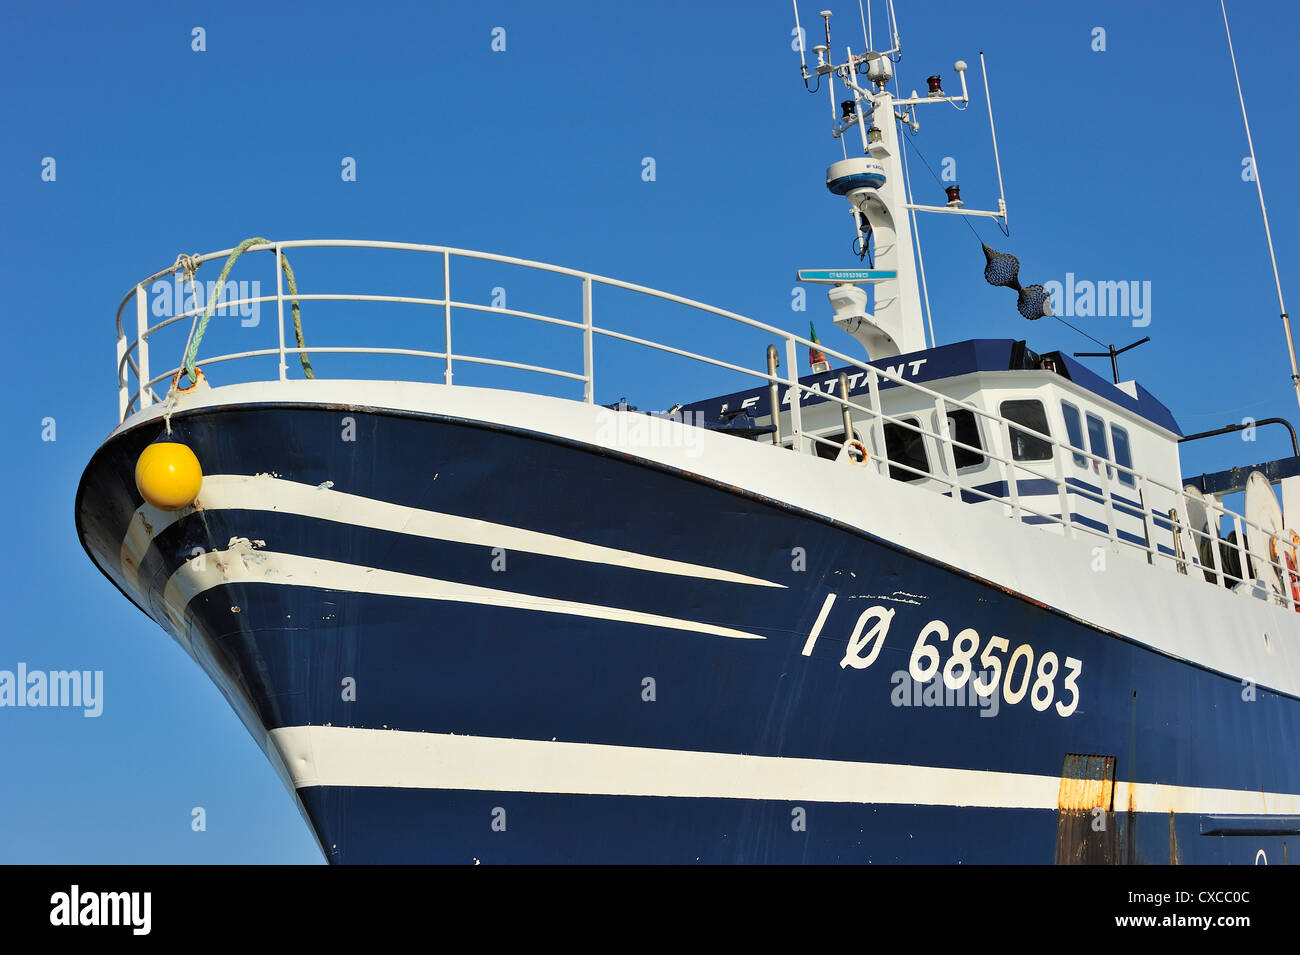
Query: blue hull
x,y
503,672
453,827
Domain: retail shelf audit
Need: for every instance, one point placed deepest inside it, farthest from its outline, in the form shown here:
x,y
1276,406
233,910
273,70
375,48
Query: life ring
x,y
855,445
1289,556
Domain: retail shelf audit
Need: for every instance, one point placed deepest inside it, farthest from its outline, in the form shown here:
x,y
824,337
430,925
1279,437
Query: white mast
x,y
874,185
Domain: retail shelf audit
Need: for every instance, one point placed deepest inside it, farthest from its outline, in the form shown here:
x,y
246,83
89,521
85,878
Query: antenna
x,y
1268,235
920,259
830,88
798,33
1002,195
1112,353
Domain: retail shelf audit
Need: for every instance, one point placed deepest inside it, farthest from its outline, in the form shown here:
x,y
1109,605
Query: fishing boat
x,y
924,602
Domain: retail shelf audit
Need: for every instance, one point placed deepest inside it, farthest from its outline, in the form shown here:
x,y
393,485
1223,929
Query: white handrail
x,y
132,359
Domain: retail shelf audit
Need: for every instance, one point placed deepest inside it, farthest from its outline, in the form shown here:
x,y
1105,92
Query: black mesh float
x,y
1003,269
1033,302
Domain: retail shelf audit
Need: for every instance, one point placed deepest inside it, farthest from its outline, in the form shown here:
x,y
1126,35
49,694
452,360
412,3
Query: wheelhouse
x,y
992,422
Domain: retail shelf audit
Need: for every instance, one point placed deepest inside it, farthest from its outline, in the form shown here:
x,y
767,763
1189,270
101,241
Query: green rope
x,y
191,352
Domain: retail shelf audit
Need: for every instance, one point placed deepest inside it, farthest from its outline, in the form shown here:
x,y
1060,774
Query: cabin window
x,y
1026,446
1074,429
1097,443
906,446
963,427
1123,454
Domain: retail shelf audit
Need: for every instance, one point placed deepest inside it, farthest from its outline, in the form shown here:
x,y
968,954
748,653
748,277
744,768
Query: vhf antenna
x,y
1286,319
798,32
1112,353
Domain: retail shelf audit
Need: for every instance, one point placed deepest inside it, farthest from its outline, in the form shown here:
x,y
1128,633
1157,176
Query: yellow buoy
x,y
168,475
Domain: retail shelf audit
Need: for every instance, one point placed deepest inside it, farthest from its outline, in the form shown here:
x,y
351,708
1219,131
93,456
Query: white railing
x,y
134,364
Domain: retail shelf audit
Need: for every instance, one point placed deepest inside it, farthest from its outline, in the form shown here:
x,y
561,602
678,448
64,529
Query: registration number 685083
x,y
998,669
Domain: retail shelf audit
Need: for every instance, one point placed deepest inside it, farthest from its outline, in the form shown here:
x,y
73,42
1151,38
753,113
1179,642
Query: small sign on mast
x,y
844,276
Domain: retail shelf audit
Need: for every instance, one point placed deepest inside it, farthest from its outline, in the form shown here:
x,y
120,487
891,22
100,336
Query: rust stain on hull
x,y
1173,841
1086,830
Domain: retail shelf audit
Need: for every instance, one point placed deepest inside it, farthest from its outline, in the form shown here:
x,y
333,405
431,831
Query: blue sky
x,y
1119,165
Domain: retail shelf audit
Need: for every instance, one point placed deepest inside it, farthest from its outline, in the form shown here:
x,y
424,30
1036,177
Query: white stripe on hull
x,y
347,756
243,564
266,493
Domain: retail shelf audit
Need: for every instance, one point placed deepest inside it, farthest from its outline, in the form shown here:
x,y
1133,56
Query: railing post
x,y
1009,468
123,371
1212,517
774,392
1180,556
949,458
1193,534
1063,494
1247,572
446,310
877,423
1148,528
142,345
1110,504
846,413
588,357
279,311
796,397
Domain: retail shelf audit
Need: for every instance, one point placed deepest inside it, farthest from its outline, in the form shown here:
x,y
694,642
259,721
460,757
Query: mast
x,y
873,185
872,180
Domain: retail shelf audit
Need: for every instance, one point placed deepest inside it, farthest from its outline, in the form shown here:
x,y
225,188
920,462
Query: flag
x,y
815,356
